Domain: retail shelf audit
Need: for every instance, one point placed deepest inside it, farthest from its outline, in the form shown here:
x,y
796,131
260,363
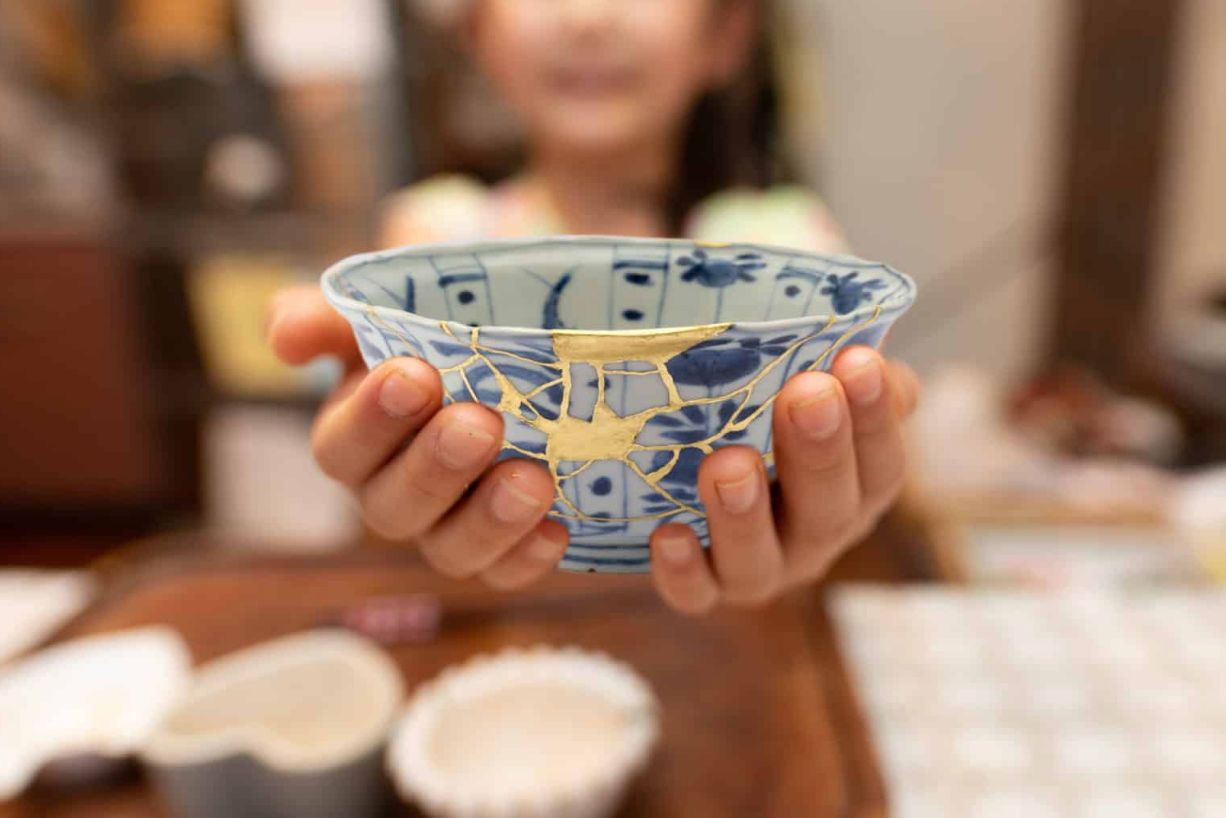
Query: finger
x,y
410,494
745,552
302,326
355,436
509,502
530,559
815,463
348,384
680,570
876,432
904,386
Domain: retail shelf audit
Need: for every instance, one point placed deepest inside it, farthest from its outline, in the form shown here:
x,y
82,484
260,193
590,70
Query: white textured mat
x,y
995,703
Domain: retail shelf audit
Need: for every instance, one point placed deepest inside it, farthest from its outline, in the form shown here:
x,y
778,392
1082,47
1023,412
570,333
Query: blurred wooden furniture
x,y
1115,137
97,429
76,426
758,713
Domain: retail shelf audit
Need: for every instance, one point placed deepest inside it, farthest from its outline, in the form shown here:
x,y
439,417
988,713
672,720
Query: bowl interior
x,y
306,700
616,284
526,736
327,699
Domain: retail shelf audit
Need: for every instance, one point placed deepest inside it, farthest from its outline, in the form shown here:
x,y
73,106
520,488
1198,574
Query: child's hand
x,y
410,464
840,463
838,449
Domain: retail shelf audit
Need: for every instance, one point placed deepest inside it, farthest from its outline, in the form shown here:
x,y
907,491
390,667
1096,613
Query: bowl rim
x,y
373,671
897,300
416,776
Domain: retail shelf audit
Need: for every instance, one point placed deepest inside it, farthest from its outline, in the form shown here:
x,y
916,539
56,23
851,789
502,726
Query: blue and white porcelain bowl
x,y
617,363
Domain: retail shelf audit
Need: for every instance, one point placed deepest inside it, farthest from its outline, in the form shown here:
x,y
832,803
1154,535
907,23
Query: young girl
x,y
636,123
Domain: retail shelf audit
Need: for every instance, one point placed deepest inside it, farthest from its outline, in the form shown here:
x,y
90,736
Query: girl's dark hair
x,y
732,136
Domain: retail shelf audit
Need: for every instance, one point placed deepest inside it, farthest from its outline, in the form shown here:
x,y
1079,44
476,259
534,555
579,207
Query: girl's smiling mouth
x,y
592,79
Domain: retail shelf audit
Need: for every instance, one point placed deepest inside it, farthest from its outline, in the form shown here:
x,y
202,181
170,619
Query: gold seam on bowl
x,y
608,436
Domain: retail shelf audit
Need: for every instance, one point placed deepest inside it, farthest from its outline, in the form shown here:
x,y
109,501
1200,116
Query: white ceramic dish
x,y
292,727
95,696
544,733
34,603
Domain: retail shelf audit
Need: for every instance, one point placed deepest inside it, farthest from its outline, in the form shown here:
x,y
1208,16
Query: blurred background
x,y
1052,174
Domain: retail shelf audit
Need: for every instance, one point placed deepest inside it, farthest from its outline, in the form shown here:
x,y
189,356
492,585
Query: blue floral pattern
x,y
710,271
538,329
847,293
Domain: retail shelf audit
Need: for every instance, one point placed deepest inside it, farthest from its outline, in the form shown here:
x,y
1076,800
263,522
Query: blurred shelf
x,y
304,403
296,233
292,233
1004,508
51,227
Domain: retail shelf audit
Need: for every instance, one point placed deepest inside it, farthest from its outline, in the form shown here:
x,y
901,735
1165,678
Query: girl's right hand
x,y
412,465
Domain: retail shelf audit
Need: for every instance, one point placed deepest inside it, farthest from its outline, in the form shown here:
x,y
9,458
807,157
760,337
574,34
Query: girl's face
x,y
603,75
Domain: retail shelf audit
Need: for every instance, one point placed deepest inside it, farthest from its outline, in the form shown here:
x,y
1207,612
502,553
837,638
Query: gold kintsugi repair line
x,y
542,388
576,514
525,359
472,393
729,425
376,318
601,384
506,444
661,490
676,403
746,392
607,435
655,476
576,472
564,403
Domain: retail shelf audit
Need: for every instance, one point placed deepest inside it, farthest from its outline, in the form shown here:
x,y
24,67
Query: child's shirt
x,y
459,208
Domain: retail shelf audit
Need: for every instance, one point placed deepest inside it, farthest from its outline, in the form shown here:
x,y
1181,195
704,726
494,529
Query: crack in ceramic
x,y
620,414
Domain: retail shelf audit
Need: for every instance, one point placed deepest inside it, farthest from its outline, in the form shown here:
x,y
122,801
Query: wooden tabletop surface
x,y
759,718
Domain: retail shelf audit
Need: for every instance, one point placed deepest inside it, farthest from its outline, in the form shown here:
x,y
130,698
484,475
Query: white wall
x,y
939,152
1193,247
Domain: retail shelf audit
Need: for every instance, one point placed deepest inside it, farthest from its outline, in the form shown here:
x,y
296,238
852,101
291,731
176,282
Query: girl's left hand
x,y
840,463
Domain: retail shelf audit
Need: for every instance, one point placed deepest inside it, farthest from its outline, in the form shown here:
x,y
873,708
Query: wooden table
x,y
758,716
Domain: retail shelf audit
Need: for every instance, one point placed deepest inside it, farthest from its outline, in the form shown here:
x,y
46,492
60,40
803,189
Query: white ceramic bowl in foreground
x,y
544,733
98,696
292,728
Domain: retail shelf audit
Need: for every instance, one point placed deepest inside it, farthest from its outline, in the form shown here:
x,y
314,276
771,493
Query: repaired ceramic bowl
x,y
97,697
292,728
617,363
542,733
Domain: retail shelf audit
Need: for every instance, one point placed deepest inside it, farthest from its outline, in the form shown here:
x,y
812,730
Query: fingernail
x,y
543,549
817,416
461,446
510,504
738,496
675,549
863,384
400,396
